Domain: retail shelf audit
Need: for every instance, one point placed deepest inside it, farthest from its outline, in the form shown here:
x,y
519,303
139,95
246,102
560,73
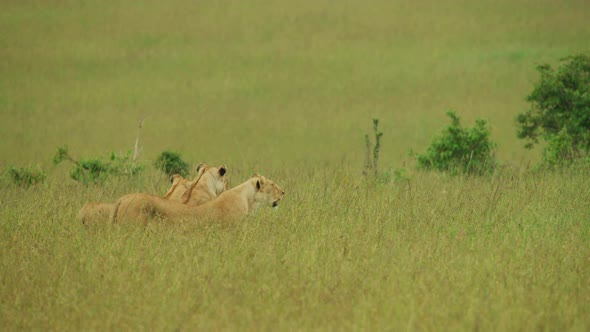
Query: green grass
x,y
288,89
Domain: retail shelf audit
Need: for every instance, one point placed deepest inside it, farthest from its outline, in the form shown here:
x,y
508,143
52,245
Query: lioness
x,y
208,183
234,203
100,211
177,180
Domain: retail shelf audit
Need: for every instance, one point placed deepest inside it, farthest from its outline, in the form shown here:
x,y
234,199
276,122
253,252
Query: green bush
x,y
26,177
90,171
95,170
560,112
170,163
460,150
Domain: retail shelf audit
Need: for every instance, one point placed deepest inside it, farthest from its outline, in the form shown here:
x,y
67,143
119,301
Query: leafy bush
x,y
170,163
94,170
560,112
26,177
90,171
461,150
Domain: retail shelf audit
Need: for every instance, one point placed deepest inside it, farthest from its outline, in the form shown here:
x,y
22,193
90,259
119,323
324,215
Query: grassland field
x,y
288,89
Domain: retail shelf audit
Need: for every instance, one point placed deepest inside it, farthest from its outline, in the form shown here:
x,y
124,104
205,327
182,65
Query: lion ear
x,y
256,175
222,170
199,166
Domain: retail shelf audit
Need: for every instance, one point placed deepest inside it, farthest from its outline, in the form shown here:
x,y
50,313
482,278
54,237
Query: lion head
x,y
208,184
177,188
267,191
214,176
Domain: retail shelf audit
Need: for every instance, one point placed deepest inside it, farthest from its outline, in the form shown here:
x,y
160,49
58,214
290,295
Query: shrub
x,y
560,111
460,150
170,163
90,171
95,170
26,176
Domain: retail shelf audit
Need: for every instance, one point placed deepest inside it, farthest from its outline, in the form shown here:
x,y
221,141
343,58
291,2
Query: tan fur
x,y
101,211
235,203
177,180
207,185
95,211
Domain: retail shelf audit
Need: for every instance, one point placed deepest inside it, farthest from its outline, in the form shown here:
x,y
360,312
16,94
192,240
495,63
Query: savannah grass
x,y
286,89
438,252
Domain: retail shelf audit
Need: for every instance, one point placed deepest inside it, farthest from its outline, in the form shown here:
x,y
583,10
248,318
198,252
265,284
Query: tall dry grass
x,y
340,253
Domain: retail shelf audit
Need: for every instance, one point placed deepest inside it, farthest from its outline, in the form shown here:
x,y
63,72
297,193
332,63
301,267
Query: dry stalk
x,y
136,150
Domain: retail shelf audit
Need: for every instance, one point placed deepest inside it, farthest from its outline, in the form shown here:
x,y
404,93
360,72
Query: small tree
x,y
460,150
170,163
560,111
95,170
